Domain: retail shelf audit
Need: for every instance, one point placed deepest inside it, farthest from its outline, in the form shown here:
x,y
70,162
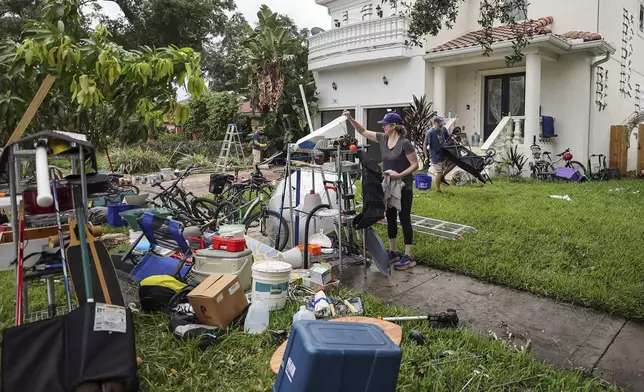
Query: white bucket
x,y
270,283
166,173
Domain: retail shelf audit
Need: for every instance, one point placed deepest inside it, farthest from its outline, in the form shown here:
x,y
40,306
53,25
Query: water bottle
x,y
303,314
476,139
257,318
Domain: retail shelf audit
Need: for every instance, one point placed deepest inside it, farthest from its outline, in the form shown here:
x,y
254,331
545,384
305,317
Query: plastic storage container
x,y
113,211
257,319
131,216
212,261
228,244
326,356
423,182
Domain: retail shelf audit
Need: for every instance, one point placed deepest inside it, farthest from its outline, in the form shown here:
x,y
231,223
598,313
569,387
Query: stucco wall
x,y
363,85
619,105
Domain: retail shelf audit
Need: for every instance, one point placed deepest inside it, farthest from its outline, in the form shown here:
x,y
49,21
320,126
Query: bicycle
x,y
542,168
255,215
602,169
189,207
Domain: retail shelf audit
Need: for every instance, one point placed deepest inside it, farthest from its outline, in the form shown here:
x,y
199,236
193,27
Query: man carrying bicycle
x,y
259,144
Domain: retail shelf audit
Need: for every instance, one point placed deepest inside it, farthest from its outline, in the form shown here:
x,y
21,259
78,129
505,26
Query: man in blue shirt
x,y
434,139
259,143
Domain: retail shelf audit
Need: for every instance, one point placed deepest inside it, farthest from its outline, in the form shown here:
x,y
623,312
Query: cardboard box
x,y
321,274
218,300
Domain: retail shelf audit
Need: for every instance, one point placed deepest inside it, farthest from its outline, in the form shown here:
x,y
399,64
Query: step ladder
x,y
231,140
438,228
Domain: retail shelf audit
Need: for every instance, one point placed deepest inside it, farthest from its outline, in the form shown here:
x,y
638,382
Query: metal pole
x,y
306,109
83,179
13,194
290,196
338,192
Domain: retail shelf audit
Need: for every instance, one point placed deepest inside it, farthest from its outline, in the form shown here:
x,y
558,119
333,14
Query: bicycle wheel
x,y
577,166
225,213
203,208
268,227
130,188
544,170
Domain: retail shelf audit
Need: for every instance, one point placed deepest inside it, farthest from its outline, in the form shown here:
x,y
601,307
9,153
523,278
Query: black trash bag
x,y
373,197
66,354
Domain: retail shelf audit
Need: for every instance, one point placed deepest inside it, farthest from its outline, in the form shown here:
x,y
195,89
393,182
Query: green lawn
x,y
587,251
239,362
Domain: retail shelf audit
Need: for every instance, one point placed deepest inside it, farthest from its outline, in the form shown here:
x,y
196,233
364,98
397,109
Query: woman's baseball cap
x,y
391,118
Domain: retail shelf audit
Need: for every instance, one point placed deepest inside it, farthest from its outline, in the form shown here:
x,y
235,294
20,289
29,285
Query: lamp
x,y
334,86
385,81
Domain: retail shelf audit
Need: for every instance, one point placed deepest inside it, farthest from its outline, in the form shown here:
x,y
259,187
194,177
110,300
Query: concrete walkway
x,y
569,336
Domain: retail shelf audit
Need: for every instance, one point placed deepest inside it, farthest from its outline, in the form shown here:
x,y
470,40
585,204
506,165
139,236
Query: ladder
x,y
438,228
231,140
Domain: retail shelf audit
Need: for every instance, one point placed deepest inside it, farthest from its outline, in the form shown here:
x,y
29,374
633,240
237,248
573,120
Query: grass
x,y
239,362
586,251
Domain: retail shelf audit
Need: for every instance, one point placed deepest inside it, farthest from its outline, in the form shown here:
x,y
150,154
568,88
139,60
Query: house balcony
x,y
365,42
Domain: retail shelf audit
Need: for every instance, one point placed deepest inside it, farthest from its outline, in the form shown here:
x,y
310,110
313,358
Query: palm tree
x,y
267,51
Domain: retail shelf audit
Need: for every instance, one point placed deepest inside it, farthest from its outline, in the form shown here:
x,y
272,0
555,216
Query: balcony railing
x,y
389,32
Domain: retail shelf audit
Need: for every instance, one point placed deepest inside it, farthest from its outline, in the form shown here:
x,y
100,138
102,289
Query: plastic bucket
x,y
270,283
423,182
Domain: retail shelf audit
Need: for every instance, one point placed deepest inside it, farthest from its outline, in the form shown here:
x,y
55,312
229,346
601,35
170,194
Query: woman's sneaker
x,y
405,262
393,256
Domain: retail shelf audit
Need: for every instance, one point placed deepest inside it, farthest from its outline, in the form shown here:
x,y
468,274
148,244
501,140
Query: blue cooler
x,y
326,356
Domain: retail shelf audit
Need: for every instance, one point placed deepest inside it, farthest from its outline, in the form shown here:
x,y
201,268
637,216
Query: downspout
x,y
593,66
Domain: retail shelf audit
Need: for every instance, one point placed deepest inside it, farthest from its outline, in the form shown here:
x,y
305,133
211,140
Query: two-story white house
x,y
581,67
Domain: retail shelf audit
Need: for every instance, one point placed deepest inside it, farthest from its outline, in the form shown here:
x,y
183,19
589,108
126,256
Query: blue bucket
x,y
423,182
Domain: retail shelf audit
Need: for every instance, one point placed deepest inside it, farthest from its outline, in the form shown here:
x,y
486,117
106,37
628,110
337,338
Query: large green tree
x,y
431,16
220,61
101,88
183,23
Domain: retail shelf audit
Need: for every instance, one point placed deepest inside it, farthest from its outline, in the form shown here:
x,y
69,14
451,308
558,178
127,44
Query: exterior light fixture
x,y
385,81
334,86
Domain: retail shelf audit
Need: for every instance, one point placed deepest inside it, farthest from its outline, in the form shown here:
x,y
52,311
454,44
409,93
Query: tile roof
x,y
537,27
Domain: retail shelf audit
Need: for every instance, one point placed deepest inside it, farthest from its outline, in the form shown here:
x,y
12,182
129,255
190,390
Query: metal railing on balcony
x,y
373,34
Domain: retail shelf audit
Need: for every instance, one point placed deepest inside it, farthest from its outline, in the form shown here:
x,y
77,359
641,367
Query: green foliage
x,y
197,160
166,136
101,88
175,150
219,59
211,115
183,23
417,120
431,16
137,160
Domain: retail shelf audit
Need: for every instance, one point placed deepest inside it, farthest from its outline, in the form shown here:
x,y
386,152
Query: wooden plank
x,y
32,234
32,109
618,156
640,150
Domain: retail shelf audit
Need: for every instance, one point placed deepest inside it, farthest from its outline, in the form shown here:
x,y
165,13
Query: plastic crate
x,y
113,211
130,216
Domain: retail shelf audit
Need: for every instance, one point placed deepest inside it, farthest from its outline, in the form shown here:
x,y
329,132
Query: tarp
x,y
334,129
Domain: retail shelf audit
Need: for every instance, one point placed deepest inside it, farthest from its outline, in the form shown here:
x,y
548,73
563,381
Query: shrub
x,y
133,160
197,160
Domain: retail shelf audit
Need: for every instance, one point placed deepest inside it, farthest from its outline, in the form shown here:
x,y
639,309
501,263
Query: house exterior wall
x,y
364,85
620,105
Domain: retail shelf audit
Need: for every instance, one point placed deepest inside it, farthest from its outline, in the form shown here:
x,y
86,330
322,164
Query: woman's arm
x,y
371,135
413,166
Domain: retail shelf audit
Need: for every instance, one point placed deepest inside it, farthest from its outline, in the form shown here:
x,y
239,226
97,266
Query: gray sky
x,y
305,14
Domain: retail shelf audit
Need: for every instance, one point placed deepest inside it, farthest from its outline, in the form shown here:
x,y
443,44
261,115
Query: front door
x,y
504,96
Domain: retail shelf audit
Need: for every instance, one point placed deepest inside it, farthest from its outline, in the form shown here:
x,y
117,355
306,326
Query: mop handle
x,y
61,239
82,237
406,318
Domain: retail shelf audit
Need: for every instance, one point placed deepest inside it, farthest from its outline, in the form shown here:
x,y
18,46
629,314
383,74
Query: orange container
x,y
314,249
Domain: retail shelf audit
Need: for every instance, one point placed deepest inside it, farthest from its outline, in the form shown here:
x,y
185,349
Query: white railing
x,y
506,135
377,33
